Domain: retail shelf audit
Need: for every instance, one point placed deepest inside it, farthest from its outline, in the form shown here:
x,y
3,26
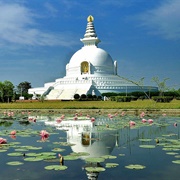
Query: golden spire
x,y
90,18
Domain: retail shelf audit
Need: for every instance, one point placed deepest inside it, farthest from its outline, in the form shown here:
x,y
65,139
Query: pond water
x,y
103,147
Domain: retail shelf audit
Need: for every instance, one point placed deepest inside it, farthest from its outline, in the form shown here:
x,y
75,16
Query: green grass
x,y
139,104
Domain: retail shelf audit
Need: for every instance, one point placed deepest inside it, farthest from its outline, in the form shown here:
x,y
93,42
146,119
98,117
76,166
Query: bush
x,y
76,96
121,98
83,97
162,98
89,96
113,98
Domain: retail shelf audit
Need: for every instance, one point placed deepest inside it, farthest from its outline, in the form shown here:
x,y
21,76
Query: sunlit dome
x,y
99,60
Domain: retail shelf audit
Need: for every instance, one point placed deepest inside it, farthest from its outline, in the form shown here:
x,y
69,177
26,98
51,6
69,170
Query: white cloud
x,y
18,27
164,20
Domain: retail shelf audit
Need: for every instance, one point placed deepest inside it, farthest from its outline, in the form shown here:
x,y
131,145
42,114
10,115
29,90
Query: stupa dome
x,y
96,56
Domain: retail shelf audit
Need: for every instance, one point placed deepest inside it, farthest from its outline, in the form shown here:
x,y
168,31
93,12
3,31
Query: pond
x,y
117,146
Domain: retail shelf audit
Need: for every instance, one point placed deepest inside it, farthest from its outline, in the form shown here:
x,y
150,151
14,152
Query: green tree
x,y
23,87
7,91
161,85
2,91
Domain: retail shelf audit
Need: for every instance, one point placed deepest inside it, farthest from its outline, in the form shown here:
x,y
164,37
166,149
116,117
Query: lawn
x,y
139,104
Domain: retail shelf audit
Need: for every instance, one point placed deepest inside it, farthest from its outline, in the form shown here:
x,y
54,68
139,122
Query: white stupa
x,y
91,70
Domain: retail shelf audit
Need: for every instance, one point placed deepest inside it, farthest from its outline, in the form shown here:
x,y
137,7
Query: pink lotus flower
x,y
142,114
163,114
132,123
13,132
44,134
150,121
92,119
59,120
63,116
3,141
144,120
123,113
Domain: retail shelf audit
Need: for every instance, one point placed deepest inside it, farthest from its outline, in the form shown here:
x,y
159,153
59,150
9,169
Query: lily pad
x,y
70,157
21,150
176,161
3,150
80,153
109,157
14,163
58,150
135,166
171,153
121,154
15,154
33,159
95,169
56,167
147,146
145,140
111,165
177,156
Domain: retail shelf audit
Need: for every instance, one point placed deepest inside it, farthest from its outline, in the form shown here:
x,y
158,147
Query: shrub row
x,y
121,98
162,98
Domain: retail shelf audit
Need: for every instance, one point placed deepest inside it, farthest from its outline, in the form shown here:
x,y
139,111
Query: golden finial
x,y
90,18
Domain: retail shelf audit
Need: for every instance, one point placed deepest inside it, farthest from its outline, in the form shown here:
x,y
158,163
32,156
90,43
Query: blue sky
x,y
38,37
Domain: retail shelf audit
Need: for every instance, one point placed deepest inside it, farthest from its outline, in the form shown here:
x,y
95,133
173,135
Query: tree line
x,y
9,92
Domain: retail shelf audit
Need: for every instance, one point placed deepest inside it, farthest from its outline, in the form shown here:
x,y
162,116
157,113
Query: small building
x,y
91,70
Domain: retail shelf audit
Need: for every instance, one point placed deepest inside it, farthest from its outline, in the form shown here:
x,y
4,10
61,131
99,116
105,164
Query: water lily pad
x,y
111,165
3,150
147,146
58,150
64,143
32,154
47,153
15,154
70,157
21,150
95,160
109,157
95,169
135,166
33,159
176,161
171,153
80,154
14,163
178,156
121,154
145,140
55,167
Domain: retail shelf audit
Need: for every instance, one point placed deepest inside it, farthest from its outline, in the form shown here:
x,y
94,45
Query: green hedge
x,y
121,98
162,98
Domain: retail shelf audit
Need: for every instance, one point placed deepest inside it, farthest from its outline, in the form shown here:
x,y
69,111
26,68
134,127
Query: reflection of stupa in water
x,y
91,70
86,138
